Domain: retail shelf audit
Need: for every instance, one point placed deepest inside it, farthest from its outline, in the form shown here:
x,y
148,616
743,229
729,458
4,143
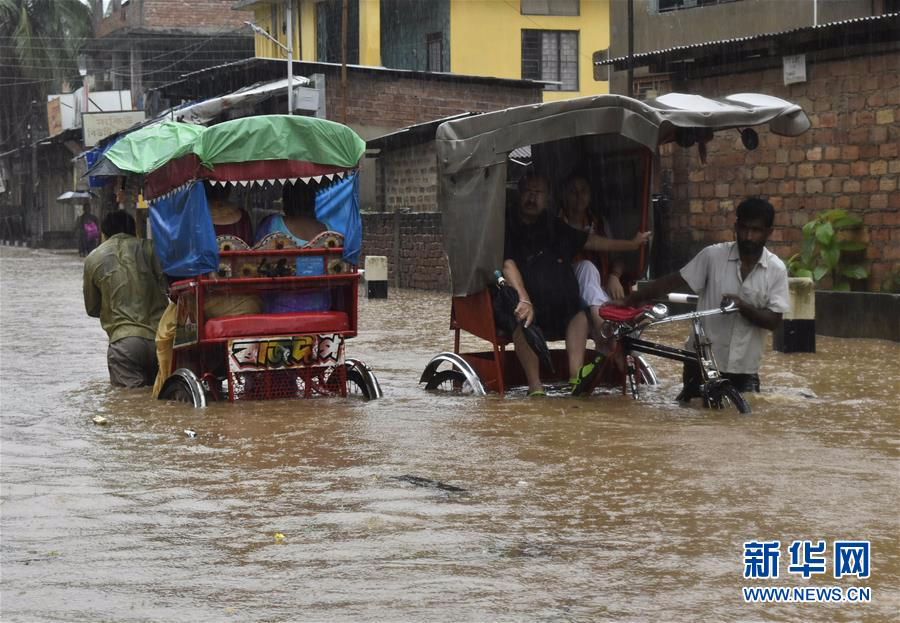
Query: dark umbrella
x,y
505,300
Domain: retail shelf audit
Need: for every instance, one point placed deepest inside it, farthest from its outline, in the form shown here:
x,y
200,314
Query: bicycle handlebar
x,y
678,297
727,309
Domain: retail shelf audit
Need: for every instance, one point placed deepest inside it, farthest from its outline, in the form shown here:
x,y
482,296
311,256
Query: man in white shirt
x,y
744,272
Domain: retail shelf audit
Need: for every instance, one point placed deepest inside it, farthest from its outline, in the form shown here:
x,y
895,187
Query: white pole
x,y
290,54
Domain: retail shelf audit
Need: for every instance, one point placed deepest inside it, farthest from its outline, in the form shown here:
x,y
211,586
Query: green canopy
x,y
280,137
152,146
265,137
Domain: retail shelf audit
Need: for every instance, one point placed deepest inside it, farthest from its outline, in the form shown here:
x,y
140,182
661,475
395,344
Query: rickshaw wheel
x,y
449,381
183,386
356,386
724,395
361,381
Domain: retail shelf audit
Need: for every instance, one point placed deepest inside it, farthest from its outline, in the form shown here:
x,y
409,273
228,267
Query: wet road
x,y
575,509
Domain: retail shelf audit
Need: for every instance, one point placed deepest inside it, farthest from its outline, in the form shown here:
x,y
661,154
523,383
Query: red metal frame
x,y
207,355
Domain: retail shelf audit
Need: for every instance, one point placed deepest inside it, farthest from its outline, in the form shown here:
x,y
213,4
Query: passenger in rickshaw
x,y
576,212
538,253
299,223
228,220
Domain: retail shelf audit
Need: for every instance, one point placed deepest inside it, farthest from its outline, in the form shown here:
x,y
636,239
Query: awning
x,y
207,110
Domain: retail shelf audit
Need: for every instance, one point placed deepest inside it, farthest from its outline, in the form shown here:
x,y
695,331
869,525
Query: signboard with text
x,y
99,125
54,117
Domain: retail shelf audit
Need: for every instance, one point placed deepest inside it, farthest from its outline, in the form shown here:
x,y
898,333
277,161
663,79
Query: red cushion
x,y
286,323
618,313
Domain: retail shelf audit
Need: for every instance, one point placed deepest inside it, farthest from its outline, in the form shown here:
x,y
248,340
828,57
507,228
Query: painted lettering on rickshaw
x,y
287,352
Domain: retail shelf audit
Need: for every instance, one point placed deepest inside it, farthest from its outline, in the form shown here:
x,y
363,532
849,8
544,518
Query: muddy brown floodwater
x,y
575,509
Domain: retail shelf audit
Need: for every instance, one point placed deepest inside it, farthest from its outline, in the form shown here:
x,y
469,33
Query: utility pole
x,y
289,17
630,89
344,63
35,217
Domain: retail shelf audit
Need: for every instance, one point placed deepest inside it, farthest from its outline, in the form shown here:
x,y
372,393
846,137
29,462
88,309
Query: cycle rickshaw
x,y
230,342
616,140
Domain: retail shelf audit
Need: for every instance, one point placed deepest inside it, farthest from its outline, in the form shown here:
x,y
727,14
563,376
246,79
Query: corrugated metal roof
x,y
758,37
310,67
411,135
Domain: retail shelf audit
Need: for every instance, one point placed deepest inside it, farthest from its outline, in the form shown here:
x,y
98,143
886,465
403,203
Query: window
x,y
675,5
651,87
551,55
435,49
328,31
549,7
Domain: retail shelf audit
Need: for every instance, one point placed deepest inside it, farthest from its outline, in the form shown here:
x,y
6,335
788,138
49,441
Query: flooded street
x,y
574,509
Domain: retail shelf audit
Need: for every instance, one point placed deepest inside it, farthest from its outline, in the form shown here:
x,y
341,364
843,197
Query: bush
x,y
891,282
821,252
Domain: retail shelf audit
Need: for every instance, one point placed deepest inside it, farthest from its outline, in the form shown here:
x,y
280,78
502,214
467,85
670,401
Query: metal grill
x,y
307,382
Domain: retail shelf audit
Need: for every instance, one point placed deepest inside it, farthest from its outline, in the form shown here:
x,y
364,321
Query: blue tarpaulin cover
x,y
337,206
92,157
183,233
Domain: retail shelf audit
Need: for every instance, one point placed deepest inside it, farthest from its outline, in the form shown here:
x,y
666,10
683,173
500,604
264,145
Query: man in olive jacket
x,y
124,287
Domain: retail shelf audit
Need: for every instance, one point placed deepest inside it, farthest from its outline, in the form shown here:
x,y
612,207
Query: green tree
x,y
39,45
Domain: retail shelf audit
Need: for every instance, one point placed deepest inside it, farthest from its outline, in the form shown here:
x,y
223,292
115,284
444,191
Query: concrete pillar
x,y
797,333
376,277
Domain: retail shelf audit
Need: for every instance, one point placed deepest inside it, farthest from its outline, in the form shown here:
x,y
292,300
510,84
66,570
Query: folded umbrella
x,y
505,300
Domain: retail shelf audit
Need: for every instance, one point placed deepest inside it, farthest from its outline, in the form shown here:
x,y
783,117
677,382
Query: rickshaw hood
x,y
472,155
152,146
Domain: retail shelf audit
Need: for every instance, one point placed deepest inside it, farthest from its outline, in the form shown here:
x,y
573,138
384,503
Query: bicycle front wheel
x,y
722,395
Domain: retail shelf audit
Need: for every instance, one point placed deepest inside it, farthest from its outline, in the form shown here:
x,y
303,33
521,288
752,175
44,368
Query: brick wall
x,y
419,254
409,178
193,16
848,159
391,99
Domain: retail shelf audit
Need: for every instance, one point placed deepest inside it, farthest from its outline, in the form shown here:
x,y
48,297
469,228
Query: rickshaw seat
x,y
286,323
617,313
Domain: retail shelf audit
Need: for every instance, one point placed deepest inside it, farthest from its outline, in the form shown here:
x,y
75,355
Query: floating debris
x,y
190,432
279,537
429,482
99,420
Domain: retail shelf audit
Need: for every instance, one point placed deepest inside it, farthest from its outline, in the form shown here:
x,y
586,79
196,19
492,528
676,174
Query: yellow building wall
x,y
305,30
486,40
370,32
262,17
485,37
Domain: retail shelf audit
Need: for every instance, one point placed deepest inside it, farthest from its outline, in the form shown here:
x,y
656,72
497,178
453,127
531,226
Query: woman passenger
x,y
576,212
300,224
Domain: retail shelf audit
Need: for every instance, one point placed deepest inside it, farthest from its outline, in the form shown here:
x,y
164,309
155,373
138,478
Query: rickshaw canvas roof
x,y
472,155
280,137
264,137
261,148
152,146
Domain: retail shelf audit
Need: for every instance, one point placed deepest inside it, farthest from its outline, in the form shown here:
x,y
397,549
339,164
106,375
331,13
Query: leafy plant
x,y
822,249
891,281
